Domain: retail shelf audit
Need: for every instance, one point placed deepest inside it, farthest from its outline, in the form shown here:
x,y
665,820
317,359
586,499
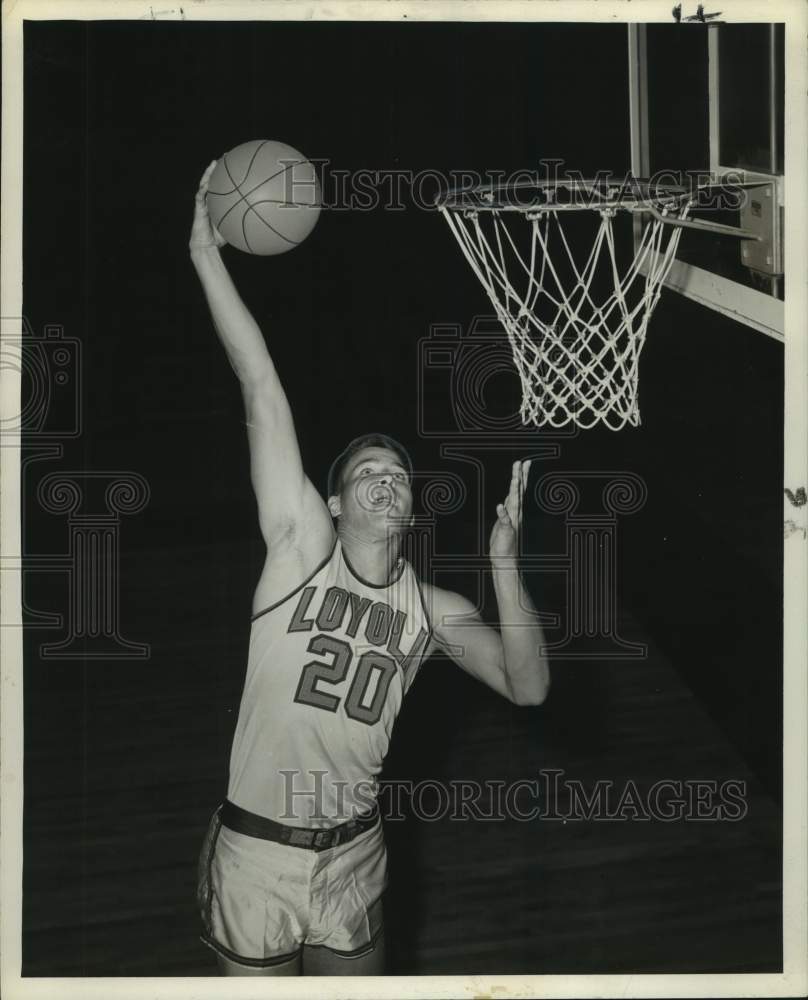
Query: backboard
x,y
707,101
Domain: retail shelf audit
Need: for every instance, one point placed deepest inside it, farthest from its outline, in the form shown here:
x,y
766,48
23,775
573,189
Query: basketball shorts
x,y
262,901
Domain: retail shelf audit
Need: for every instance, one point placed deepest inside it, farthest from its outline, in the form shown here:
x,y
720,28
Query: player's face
x,y
376,487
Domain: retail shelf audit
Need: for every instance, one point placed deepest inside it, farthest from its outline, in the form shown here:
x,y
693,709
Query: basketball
x,y
264,197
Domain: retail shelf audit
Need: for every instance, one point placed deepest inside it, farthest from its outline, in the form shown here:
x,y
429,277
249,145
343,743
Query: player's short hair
x,y
364,441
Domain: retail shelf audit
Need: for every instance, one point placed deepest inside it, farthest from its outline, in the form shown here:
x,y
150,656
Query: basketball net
x,y
576,332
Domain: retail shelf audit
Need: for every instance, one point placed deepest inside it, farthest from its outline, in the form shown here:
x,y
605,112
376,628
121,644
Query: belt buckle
x,y
322,838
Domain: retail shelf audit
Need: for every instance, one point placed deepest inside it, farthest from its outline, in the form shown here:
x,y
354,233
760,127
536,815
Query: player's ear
x,y
334,506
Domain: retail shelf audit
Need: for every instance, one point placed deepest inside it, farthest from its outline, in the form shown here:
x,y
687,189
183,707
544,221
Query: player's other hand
x,y
203,233
503,543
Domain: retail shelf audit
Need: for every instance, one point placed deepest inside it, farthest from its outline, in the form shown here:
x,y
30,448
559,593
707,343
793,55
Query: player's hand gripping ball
x,y
263,197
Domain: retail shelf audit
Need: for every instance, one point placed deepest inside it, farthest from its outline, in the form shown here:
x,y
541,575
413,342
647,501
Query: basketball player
x,y
293,867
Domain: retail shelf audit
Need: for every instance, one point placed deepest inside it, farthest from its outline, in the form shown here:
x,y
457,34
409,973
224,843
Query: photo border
x,y
793,981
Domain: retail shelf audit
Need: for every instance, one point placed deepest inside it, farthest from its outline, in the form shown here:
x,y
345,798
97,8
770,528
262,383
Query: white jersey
x,y
328,668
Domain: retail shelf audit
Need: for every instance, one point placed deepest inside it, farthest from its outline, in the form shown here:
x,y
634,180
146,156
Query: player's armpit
x,y
288,564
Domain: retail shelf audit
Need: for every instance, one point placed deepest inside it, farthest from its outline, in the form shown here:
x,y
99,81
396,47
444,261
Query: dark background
x,y
125,760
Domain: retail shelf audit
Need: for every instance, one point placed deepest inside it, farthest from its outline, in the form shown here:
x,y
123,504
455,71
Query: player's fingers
x,y
519,481
516,517
208,171
525,474
202,190
502,514
513,490
512,510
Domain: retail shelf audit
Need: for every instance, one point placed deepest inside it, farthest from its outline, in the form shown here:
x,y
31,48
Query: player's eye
x,y
401,475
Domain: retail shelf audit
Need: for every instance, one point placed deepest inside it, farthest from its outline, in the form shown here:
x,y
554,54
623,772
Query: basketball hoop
x,y
576,328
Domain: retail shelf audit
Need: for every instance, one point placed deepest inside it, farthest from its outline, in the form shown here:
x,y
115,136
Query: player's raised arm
x,y
511,661
286,498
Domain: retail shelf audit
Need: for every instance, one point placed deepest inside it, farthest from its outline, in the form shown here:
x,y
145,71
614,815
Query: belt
x,y
241,821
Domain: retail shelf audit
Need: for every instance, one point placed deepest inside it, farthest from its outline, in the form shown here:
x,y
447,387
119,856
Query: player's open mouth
x,y
381,495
